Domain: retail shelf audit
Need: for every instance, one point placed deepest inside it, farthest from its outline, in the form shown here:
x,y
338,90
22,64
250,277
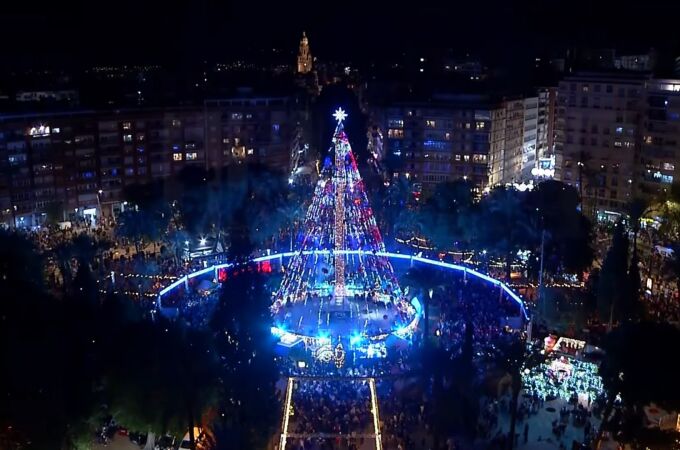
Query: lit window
x,y
395,134
457,158
176,123
468,125
276,127
226,141
395,123
140,138
466,158
648,139
191,156
479,158
250,151
127,138
249,116
177,157
447,136
668,166
479,125
618,144
430,123
55,130
127,125
236,116
619,130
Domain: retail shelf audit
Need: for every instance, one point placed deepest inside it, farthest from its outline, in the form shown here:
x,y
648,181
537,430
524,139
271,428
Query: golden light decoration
x,y
339,356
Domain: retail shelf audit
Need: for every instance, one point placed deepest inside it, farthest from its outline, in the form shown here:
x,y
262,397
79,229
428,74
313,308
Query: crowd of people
x,y
332,407
464,302
336,405
405,414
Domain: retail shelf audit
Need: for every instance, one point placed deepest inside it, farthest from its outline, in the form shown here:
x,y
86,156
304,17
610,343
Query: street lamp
x,y
99,202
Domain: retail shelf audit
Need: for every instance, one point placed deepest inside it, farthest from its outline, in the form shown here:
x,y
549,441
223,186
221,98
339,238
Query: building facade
x,y
598,137
545,134
465,137
660,148
486,141
617,138
439,142
256,129
78,163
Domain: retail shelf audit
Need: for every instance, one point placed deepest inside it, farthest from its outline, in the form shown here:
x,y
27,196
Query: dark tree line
x,y
70,363
228,203
640,369
505,221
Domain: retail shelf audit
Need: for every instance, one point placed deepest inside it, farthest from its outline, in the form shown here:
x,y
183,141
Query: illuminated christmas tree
x,y
338,273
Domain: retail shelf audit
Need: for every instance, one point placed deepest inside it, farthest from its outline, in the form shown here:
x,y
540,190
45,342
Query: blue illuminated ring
x,y
432,262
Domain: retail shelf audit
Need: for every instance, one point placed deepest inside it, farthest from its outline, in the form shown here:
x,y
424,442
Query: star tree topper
x,y
340,115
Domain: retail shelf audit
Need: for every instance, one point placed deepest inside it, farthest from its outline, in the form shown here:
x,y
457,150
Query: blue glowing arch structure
x,y
286,336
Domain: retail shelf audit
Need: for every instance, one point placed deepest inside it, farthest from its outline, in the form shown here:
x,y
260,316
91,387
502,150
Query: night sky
x,y
166,32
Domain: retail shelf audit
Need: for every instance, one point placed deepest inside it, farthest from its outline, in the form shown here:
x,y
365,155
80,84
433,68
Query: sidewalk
x,y
540,436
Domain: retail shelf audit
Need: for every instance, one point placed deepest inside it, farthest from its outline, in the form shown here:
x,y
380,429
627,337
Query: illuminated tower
x,y
304,59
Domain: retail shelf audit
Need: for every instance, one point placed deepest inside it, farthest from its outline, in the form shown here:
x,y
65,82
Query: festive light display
x,y
563,377
340,275
218,268
340,115
287,410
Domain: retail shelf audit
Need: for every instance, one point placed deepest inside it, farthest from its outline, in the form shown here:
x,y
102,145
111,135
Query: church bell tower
x,y
304,59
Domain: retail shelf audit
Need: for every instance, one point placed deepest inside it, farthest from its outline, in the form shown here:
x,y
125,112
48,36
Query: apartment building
x,y
79,162
617,138
488,141
545,134
660,147
598,137
440,141
250,128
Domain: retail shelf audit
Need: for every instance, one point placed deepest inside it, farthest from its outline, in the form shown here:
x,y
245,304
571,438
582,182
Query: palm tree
x,y
504,226
424,280
447,215
637,209
672,264
669,210
19,260
585,173
63,254
514,356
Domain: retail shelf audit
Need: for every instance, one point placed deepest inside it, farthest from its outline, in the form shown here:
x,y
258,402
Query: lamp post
x,y
540,272
99,202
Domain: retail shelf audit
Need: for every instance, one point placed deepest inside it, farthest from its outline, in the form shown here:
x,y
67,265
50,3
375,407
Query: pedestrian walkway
x,y
539,428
